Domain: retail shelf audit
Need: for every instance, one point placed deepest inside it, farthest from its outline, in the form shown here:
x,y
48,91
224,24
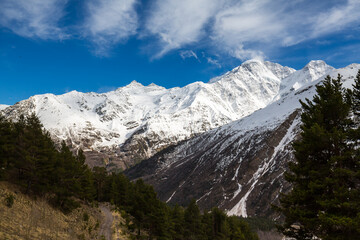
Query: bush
x,y
9,200
85,217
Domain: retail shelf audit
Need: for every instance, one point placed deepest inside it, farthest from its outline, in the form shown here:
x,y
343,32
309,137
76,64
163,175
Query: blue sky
x,y
56,46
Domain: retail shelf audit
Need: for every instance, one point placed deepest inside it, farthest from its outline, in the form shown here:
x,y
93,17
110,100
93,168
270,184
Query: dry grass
x,y
119,229
36,219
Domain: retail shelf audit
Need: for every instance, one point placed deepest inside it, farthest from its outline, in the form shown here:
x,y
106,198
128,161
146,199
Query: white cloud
x,y
177,23
244,54
246,22
247,28
225,25
109,22
337,18
213,61
34,18
240,28
188,54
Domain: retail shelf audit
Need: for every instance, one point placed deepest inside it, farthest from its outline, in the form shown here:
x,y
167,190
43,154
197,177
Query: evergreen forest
x,y
30,159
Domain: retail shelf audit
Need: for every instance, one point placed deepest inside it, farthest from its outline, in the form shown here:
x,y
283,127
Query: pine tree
x,y
159,220
220,227
87,185
84,178
67,177
356,96
99,175
7,146
192,218
138,208
177,220
325,199
34,154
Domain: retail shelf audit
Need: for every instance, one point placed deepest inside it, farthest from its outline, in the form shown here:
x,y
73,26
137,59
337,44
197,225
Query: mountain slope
x,y
122,127
238,167
35,218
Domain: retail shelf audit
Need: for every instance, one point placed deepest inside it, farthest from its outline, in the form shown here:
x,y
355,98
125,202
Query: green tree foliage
x,y
29,158
153,219
239,229
177,222
325,199
100,175
192,219
34,154
7,146
260,224
356,96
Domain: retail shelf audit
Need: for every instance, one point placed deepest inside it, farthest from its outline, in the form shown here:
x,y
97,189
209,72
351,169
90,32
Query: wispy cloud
x,y
336,18
34,18
244,54
243,23
178,23
109,22
188,54
239,28
213,61
247,28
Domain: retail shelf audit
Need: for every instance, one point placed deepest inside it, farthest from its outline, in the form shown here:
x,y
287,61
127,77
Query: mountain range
x,y
225,143
120,128
239,167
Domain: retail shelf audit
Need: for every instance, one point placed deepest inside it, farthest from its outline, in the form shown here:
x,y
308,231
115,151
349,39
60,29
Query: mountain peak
x,y
254,60
134,84
312,71
73,92
252,65
316,64
153,85
317,68
353,65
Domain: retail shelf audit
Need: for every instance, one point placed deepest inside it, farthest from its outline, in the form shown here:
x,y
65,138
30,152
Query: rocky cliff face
x,y
238,167
120,128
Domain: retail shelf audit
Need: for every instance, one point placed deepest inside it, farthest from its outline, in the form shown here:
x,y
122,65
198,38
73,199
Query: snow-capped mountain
x,y
134,122
311,72
3,106
225,143
239,167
